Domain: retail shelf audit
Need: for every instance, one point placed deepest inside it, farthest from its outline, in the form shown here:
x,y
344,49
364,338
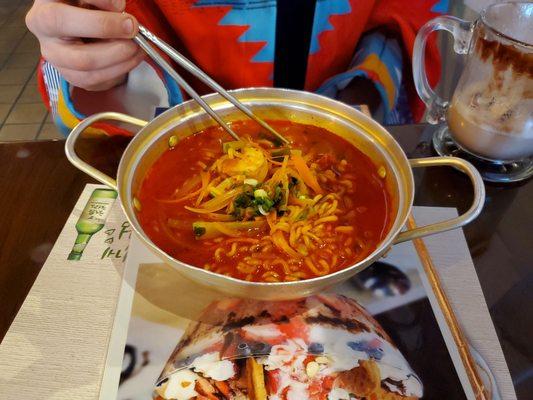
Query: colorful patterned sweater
x,y
235,42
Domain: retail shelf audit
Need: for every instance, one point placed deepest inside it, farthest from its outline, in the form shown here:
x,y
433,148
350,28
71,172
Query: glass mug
x,y
491,111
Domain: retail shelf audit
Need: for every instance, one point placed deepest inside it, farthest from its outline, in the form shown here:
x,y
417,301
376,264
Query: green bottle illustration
x,y
92,219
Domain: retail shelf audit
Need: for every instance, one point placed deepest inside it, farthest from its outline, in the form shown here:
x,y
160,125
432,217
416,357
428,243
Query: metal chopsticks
x,y
197,72
182,82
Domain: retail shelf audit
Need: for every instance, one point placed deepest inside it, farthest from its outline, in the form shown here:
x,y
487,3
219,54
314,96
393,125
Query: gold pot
x,y
268,103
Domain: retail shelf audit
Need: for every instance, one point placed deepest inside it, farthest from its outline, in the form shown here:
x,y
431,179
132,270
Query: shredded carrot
x,y
215,204
181,199
305,173
205,176
303,223
188,185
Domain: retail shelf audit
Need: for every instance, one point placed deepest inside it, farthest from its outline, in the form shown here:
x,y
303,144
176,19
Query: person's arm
x,y
380,74
404,19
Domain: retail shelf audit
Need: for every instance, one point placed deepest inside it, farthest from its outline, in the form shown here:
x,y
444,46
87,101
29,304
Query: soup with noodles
x,y
259,211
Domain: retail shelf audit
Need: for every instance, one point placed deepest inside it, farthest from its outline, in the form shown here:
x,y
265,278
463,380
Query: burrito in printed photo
x,y
324,347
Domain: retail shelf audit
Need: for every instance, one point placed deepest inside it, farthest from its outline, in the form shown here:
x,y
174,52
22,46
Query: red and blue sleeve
x,y
379,59
404,19
383,56
144,82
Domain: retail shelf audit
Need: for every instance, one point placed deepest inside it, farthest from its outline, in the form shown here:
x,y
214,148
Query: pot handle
x,y
78,130
461,220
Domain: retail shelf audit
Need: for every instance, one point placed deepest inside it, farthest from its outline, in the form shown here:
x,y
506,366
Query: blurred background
x,y
24,117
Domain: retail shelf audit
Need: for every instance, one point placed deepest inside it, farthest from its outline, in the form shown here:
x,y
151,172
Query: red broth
x,y
326,230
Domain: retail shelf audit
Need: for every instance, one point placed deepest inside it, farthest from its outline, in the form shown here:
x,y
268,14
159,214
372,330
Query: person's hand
x,y
361,91
67,32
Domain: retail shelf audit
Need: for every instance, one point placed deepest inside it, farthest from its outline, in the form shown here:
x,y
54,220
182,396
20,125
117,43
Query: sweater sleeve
x,y
383,55
147,88
379,59
405,19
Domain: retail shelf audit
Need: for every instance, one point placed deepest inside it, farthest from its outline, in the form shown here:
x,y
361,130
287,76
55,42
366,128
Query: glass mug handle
x,y
462,33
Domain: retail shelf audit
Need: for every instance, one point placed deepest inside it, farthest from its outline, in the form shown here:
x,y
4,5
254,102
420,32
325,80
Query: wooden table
x,y
38,188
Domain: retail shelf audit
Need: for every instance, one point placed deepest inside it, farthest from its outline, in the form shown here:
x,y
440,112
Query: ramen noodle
x,y
322,347
256,210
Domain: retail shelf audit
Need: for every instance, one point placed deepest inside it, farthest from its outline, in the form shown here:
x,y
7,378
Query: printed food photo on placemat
x,y
372,337
324,346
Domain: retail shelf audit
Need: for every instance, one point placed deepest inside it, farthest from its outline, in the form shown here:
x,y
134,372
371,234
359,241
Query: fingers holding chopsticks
x,y
63,30
53,19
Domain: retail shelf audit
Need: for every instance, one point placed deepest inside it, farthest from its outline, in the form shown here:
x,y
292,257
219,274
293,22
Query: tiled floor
x,y
23,115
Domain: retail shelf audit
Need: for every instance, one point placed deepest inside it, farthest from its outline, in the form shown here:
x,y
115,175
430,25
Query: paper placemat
x,y
157,304
57,346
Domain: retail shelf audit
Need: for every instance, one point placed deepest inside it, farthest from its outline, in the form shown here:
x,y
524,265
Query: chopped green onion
x,y
262,210
303,215
198,230
242,201
235,145
278,154
251,182
260,194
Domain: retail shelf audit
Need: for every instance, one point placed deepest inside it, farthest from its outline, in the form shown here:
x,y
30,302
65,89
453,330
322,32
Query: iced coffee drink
x,y
494,122
490,114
